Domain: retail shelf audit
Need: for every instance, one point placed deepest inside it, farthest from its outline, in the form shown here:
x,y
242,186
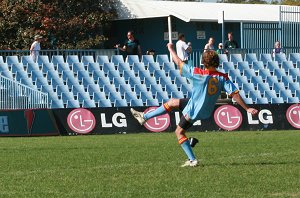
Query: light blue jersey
x,y
207,87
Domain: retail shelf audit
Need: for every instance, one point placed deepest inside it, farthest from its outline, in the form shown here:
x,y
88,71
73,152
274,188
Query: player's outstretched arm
x,y
175,58
240,101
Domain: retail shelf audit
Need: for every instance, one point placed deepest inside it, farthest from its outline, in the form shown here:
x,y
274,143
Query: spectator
x,y
35,47
210,44
231,43
131,45
220,49
150,52
277,49
182,49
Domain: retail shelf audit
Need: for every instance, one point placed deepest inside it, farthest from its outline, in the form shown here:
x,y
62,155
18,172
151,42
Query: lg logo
x,y
159,123
81,121
293,115
228,117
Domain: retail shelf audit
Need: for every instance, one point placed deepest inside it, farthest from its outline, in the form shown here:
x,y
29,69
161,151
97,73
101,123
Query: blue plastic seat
x,y
140,88
154,88
235,58
72,59
270,94
27,59
280,57
294,86
243,65
67,96
117,81
12,60
272,65
56,81
254,94
57,59
87,59
4,67
103,81
168,66
149,81
286,65
271,80
86,81
120,103
264,73
146,59
247,87
77,67
258,65
241,80
42,59
228,66
108,67
109,88
136,67
164,81
113,74
248,100
279,73
152,67
81,96
144,96
1,59
93,88
98,96
132,81
294,57
130,59
116,59
278,100
223,58
171,88
152,102
162,58
62,88
32,67
265,58
61,67
104,103
285,94
128,74
250,57
263,87
56,104
295,72
249,73
136,103
47,67
262,101
174,73
93,67
88,104
278,87
39,82
294,100
287,80
77,89
128,96
20,74
72,104
123,67
102,59
176,94
98,74
17,67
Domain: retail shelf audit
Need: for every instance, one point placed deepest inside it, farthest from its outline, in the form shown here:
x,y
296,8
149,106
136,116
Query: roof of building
x,y
199,11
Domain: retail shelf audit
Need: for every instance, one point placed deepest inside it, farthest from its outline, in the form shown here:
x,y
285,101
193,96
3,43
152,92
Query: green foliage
x,y
233,164
291,2
63,23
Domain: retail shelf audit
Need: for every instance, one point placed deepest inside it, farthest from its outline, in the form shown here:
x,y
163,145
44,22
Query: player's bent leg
x,y
163,109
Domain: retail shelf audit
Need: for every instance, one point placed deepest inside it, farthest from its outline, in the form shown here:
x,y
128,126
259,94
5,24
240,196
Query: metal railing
x,y
14,95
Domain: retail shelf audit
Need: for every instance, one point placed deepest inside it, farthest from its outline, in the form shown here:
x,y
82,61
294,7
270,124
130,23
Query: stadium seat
x,y
285,94
87,59
120,103
42,59
57,59
280,57
174,74
249,73
1,59
248,100
258,65
270,94
223,58
117,81
4,67
93,88
26,59
128,96
113,74
265,58
47,67
108,67
149,81
130,59
279,73
152,67
235,58
88,104
278,87
271,80
295,72
16,67
136,103
12,60
294,86
123,67
264,73
146,59
145,95
261,101
98,74
162,97
71,59
86,81
77,89
168,66
72,104
241,80
109,88
287,80
81,96
243,65
247,87
154,88
152,102
61,67
56,104
263,87
144,74
250,58
98,96
7,74
93,67
116,59
254,94
123,88
228,66
286,65
294,100
278,100
136,67
77,67
104,103
140,88
102,59
294,57
162,58
32,67
272,65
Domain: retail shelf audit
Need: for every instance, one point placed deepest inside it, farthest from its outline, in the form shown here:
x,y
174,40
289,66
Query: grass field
x,y
233,164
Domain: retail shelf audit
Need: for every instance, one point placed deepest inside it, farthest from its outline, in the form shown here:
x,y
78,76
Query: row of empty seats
x,y
105,82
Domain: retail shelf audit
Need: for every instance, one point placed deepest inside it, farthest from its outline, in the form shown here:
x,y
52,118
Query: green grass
x,y
233,164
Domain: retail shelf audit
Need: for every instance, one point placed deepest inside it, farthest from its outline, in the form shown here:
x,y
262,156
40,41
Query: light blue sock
x,y
188,150
157,112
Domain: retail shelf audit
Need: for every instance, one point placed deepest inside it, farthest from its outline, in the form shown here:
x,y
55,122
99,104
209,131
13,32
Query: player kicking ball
x,y
207,87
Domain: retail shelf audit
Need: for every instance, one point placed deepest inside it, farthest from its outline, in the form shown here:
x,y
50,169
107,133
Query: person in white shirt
x,y
182,49
210,44
35,47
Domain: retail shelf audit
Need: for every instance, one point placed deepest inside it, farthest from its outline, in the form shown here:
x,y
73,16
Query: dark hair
x,y
210,59
180,36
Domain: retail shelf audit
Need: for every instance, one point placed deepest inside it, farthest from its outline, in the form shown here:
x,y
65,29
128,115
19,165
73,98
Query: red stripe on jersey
x,y
210,73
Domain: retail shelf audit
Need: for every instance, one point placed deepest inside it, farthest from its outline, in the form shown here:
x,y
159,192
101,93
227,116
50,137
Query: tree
x,y
291,2
66,24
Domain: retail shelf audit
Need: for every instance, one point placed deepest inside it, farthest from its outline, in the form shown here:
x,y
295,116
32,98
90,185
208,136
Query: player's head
x,y
210,59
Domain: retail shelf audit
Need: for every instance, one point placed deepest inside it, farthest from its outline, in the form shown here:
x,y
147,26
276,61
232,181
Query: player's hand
x,y
117,45
170,45
252,111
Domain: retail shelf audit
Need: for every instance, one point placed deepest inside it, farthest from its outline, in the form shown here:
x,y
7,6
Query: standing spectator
x,y
277,49
231,43
183,50
35,47
220,49
210,44
131,45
